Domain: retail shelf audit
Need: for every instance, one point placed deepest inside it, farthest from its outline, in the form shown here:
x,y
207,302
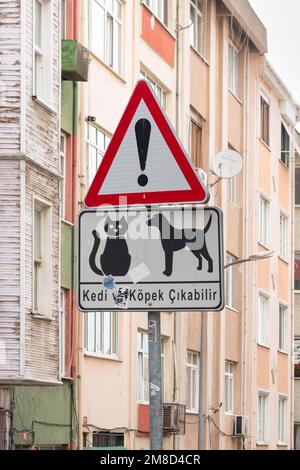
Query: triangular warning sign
x,y
145,162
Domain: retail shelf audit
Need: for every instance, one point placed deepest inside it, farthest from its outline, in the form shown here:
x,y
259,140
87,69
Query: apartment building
x,y
36,405
296,303
205,62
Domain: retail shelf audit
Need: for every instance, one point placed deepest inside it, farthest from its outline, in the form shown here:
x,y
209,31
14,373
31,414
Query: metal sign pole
x,y
155,398
201,384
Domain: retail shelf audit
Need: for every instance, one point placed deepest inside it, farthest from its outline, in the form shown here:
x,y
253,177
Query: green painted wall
x,y
67,104
45,412
66,255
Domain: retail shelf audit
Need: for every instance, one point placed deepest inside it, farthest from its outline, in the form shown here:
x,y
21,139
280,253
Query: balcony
x,y
74,61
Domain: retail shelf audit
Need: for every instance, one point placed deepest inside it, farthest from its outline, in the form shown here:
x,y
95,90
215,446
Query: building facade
x,y
206,64
80,380
36,405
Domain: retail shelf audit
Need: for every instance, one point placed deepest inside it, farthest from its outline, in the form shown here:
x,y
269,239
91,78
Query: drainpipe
x,y
175,381
245,236
74,214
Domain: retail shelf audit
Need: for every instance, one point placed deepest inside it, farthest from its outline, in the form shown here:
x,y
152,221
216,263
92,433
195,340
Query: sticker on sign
x,y
155,259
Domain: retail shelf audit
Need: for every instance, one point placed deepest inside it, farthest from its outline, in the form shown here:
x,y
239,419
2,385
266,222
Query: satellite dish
x,y
227,163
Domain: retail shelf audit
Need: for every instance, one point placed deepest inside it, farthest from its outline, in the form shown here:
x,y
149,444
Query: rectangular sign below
x,y
151,259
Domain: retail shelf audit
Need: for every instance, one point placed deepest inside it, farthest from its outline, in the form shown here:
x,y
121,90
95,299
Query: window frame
x,y
62,171
263,238
99,151
233,74
264,440
229,382
192,395
196,41
230,274
42,304
42,89
159,90
283,238
296,351
117,21
265,118
143,380
282,335
99,326
297,171
197,160
282,432
285,159
156,6
263,333
62,332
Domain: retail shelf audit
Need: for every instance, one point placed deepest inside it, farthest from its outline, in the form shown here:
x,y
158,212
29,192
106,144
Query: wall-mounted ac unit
x,y
202,175
240,424
173,418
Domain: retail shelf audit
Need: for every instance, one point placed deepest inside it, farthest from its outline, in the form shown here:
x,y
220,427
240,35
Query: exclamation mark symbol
x,y
142,133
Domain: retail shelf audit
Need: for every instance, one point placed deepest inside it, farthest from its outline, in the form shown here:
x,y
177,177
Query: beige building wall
x,y
198,88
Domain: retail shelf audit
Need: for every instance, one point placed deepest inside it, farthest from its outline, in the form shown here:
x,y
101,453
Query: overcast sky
x,y
282,20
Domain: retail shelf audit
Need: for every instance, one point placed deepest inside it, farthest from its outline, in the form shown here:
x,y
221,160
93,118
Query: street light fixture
x,y
255,257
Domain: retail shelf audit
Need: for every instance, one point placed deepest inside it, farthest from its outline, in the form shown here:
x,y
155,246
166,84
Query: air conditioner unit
x,y
174,418
240,424
202,175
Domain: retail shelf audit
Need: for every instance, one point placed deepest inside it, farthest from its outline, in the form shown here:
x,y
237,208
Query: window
x,y
159,8
105,31
297,271
42,51
261,417
282,328
143,372
102,333
282,406
230,282
297,186
158,90
162,364
143,367
263,221
229,387
42,258
231,190
265,119
196,144
283,248
297,357
233,68
297,436
63,19
285,146
262,319
62,327
192,381
196,29
108,439
97,143
62,170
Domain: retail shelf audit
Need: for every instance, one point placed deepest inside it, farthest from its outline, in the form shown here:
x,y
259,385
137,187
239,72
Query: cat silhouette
x,y
115,259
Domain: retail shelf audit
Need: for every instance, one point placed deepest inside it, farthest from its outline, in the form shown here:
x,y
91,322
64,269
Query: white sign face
x,y
122,176
157,259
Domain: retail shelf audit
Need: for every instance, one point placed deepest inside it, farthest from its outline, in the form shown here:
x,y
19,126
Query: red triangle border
x,y
197,193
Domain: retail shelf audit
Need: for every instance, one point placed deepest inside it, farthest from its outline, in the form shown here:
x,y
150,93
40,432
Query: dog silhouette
x,y
175,239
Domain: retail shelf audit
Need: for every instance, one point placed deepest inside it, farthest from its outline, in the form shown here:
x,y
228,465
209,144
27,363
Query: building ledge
x,y
250,22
